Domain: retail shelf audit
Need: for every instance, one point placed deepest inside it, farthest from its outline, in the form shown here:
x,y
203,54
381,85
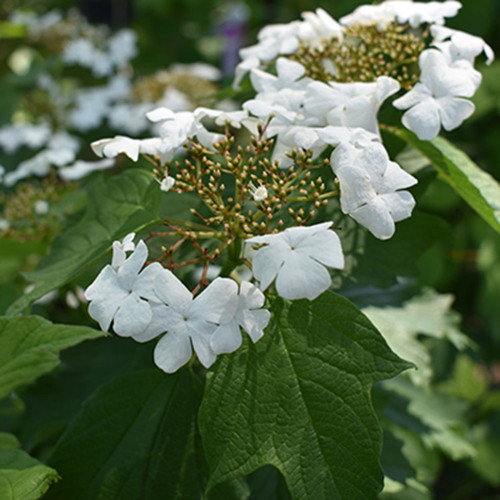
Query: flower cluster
x,y
315,137
52,115
144,304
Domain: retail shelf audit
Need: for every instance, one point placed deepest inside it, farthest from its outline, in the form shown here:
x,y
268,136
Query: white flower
x,y
296,258
221,117
323,26
4,225
167,183
289,124
437,99
122,47
121,295
177,128
189,323
248,315
349,104
81,168
402,11
120,248
41,207
461,45
39,164
12,137
258,193
334,135
112,147
369,187
243,68
289,76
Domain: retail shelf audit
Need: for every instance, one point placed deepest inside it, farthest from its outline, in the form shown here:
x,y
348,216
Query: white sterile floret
x,y
176,128
461,45
120,249
81,168
122,47
370,187
349,104
438,98
12,137
40,164
221,117
334,135
249,315
297,258
288,76
291,127
323,27
124,295
243,68
188,322
402,11
112,147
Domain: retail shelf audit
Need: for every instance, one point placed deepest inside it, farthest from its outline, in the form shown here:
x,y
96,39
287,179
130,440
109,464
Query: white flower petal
x,y
163,317
217,303
453,111
399,204
302,278
250,297
423,119
254,322
144,286
267,261
201,335
127,273
173,351
132,317
324,247
172,292
376,218
226,338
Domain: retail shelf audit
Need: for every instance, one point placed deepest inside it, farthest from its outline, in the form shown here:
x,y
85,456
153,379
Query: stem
x,y
234,252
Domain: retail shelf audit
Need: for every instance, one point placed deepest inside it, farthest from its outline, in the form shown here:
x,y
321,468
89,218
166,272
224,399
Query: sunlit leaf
x,y
476,187
22,477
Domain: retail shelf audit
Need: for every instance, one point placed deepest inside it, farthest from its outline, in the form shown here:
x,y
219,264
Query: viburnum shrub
x,y
236,247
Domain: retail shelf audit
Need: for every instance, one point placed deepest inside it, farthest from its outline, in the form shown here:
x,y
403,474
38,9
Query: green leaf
x,y
429,314
126,202
22,477
30,346
444,415
487,460
379,263
476,187
133,439
299,399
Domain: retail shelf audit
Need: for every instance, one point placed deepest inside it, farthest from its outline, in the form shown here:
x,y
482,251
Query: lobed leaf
x,y
299,399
